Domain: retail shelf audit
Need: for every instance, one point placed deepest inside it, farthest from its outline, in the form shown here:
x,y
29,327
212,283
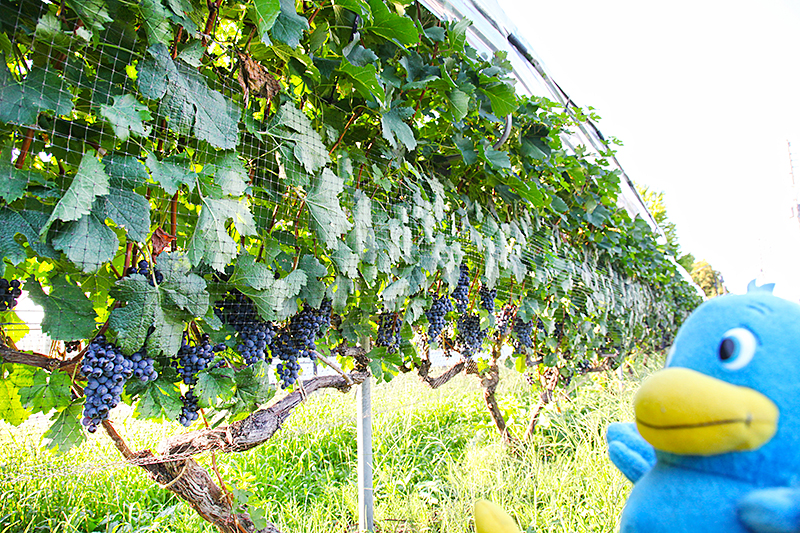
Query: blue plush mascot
x,y
716,443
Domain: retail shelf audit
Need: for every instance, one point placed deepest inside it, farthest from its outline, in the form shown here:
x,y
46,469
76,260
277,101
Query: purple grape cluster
x,y
255,334
461,292
194,358
487,298
389,325
470,334
523,331
144,270
298,340
189,409
9,292
436,316
504,319
106,370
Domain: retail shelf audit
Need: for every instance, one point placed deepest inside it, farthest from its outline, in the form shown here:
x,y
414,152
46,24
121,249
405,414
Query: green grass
x,y
435,452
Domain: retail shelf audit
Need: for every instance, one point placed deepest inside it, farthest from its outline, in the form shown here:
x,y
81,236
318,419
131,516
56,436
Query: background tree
x,y
708,279
657,206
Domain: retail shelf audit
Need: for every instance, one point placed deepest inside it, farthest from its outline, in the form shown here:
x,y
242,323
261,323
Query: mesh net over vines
x,y
199,201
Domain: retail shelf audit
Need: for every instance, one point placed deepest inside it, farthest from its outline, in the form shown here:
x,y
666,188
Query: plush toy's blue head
x,y
728,400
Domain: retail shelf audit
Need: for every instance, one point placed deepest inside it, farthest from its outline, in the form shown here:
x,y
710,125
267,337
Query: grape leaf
x,y
127,209
125,171
250,273
390,25
252,390
187,100
88,242
68,313
182,288
11,409
27,224
172,172
159,400
467,148
502,97
289,26
497,158
43,391
346,260
228,174
393,125
271,302
211,243
126,116
42,90
327,217
362,223
459,104
216,383
12,181
145,308
314,289
156,21
309,149
364,79
394,294
65,432
268,12
339,292
90,182
93,13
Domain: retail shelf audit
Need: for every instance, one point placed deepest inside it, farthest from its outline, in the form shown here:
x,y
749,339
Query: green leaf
x,y
394,294
339,292
502,97
159,401
88,243
216,383
65,432
187,101
68,313
249,273
458,103
90,182
393,125
128,210
155,19
365,80
314,290
390,25
467,148
28,224
126,116
327,217
125,171
42,392
11,409
42,90
534,147
180,287
268,12
289,26
93,13
211,243
172,172
145,307
5,44
228,173
346,260
362,223
497,158
272,301
12,181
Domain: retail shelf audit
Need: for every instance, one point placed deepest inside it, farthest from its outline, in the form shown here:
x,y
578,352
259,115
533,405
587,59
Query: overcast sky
x,y
704,95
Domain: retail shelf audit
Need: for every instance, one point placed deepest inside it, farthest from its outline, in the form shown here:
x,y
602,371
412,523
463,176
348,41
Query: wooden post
x,y
364,436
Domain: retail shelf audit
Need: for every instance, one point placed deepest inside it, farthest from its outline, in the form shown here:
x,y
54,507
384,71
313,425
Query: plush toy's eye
x,y
737,348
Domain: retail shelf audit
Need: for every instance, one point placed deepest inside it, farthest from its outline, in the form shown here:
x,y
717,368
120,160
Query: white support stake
x,y
364,436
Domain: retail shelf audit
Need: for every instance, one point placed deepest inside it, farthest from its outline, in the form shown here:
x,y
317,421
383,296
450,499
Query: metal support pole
x,y
364,436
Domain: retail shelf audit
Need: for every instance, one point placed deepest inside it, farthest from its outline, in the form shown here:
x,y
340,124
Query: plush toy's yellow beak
x,y
491,518
685,412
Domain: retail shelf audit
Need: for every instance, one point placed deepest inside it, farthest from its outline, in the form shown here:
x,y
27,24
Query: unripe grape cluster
x,y
9,292
389,325
436,316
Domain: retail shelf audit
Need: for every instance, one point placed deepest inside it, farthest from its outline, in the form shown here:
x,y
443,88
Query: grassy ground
x,y
435,452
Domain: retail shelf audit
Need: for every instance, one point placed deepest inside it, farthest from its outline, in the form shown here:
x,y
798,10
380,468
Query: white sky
x,y
704,95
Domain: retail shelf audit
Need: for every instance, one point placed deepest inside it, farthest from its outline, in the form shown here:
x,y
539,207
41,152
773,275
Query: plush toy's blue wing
x,y
629,452
771,511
